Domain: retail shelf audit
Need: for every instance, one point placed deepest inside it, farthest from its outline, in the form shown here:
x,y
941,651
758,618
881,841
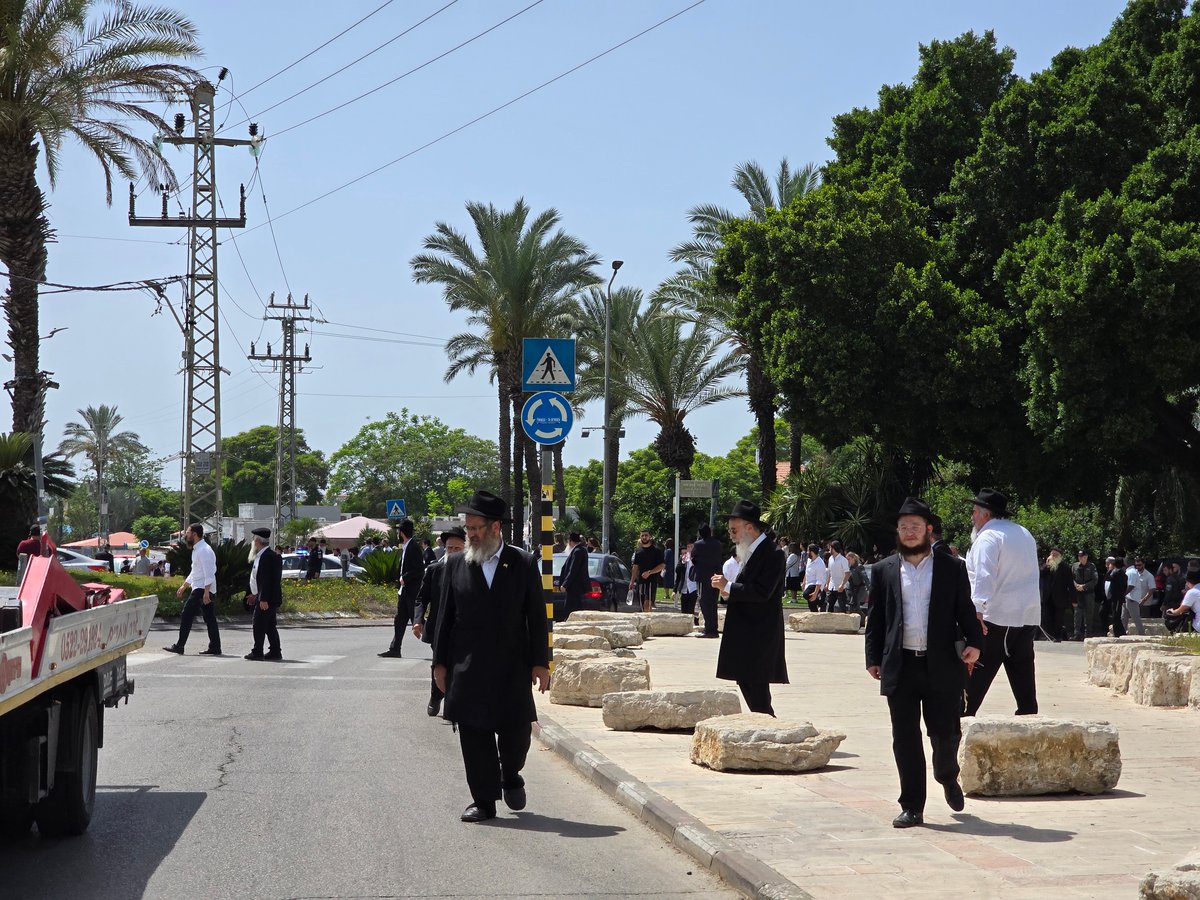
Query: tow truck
x,y
62,663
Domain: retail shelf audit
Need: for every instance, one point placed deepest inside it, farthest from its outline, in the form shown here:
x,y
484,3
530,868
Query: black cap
x,y
992,500
915,506
747,511
264,533
457,531
486,504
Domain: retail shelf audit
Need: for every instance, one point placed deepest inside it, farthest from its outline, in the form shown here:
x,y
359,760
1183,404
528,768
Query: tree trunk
x,y
503,441
24,233
612,435
560,485
761,392
791,415
518,466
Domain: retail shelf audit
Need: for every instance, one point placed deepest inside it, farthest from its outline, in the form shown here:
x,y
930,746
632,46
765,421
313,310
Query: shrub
x,y
381,567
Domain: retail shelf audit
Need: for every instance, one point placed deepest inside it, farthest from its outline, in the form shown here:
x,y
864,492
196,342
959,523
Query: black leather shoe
x,y
211,652
253,655
390,654
174,648
274,655
907,819
479,813
954,796
433,709
514,798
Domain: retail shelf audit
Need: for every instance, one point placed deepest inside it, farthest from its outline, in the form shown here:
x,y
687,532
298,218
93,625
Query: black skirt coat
x,y
752,645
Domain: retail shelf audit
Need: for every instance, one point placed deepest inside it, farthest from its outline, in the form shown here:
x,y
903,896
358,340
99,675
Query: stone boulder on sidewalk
x,y
1110,660
1022,756
584,682
757,742
824,622
1180,882
1162,678
669,624
561,655
573,641
667,710
636,621
618,634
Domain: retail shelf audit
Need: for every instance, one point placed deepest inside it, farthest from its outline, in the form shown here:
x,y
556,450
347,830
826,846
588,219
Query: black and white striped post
x,y
548,544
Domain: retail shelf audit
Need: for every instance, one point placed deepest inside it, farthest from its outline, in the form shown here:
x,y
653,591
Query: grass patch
x,y
322,595
1189,642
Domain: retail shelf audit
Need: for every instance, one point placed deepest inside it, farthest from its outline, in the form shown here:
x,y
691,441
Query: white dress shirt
x,y
838,570
815,573
489,565
204,568
916,584
1003,567
1141,584
254,573
730,570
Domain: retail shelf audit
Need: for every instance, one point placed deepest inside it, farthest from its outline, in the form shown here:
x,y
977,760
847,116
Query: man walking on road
x,y
1137,595
266,593
707,557
815,577
752,648
412,568
492,641
837,574
201,587
425,613
1003,568
920,604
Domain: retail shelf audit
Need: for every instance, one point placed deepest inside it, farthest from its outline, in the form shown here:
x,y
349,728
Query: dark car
x,y
609,587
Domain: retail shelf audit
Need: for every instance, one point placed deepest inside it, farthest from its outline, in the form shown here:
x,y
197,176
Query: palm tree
x,y
521,283
98,439
675,369
688,291
62,76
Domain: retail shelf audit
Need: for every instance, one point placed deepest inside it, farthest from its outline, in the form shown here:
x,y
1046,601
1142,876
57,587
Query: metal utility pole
x,y
202,407
609,479
289,363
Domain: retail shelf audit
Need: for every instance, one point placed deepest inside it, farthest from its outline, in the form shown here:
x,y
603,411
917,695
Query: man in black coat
x,y
1118,587
574,578
920,608
492,641
266,593
752,649
412,570
425,613
707,558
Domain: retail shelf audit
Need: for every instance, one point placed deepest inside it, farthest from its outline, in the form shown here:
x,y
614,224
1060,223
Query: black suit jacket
x,y
270,578
489,639
707,557
412,570
574,578
951,617
752,646
429,599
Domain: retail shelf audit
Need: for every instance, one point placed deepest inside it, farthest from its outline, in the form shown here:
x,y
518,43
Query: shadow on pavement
x,y
968,824
133,829
524,821
1062,798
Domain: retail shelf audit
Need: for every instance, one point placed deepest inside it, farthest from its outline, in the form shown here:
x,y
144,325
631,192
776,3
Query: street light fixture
x,y
606,512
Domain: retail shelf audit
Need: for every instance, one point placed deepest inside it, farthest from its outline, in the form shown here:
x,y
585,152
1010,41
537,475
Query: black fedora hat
x,y
457,531
992,500
486,504
915,506
748,511
264,533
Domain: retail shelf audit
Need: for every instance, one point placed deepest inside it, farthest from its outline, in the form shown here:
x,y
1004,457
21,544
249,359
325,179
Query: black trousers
x,y
493,759
404,617
687,603
195,604
815,597
708,607
835,598
914,698
265,629
573,602
758,696
435,692
1011,647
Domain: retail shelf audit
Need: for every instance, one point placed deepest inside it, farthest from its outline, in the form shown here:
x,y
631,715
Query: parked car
x,y
72,560
609,588
296,564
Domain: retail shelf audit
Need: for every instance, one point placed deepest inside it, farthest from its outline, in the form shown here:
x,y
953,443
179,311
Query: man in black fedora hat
x,y
412,571
492,642
1005,588
575,579
752,647
266,593
425,613
920,605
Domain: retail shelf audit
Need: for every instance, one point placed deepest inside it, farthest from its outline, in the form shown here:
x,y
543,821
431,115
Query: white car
x,y
296,564
72,560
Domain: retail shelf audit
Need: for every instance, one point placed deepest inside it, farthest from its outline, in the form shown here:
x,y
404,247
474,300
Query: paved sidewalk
x,y
830,831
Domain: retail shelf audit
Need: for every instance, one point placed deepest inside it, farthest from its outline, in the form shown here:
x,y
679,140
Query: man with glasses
x,y
1138,594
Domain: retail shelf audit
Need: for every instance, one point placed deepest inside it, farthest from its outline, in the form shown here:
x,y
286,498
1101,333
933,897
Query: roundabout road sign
x,y
547,417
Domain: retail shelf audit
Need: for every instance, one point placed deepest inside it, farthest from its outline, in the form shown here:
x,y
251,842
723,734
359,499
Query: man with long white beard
x,y
492,643
752,647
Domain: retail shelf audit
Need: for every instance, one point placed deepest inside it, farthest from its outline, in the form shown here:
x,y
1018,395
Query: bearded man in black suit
x,y
492,642
752,647
920,610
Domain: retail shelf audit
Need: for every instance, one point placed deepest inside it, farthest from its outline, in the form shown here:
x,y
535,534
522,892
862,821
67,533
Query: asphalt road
x,y
322,777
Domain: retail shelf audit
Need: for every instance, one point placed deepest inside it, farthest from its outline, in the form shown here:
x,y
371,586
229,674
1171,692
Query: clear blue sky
x,y
622,148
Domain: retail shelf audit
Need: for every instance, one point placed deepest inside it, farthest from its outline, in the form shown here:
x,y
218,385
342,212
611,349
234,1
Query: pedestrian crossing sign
x,y
548,364
396,510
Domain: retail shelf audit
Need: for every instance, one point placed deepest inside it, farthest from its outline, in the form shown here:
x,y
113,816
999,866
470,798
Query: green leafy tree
x,y
69,71
412,457
520,282
249,460
18,495
297,530
98,440
155,529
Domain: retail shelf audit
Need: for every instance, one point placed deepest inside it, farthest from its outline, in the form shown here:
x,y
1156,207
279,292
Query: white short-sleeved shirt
x,y
1192,601
838,569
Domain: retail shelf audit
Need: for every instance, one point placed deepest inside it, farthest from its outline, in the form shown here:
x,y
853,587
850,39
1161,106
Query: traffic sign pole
x,y
548,547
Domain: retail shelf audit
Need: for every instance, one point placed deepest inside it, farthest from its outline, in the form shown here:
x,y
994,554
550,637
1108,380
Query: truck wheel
x,y
68,809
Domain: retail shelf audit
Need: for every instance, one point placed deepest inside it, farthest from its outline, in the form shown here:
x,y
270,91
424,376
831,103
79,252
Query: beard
x,y
742,547
921,548
974,534
477,554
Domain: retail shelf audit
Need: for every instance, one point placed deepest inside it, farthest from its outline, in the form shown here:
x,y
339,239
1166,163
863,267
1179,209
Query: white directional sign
x,y
547,417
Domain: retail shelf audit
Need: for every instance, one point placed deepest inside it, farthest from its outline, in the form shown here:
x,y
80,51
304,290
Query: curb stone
x,y
740,870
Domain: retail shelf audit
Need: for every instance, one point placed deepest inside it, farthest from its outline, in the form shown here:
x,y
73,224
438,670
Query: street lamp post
x,y
606,513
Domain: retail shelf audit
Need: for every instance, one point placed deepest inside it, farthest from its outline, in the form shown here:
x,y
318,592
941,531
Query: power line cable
x,y
377,340
117,286
430,337
401,77
483,116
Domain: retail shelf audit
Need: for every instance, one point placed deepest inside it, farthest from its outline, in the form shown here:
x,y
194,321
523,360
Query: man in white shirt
x,y
1138,594
815,576
201,586
837,574
1191,599
1003,568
